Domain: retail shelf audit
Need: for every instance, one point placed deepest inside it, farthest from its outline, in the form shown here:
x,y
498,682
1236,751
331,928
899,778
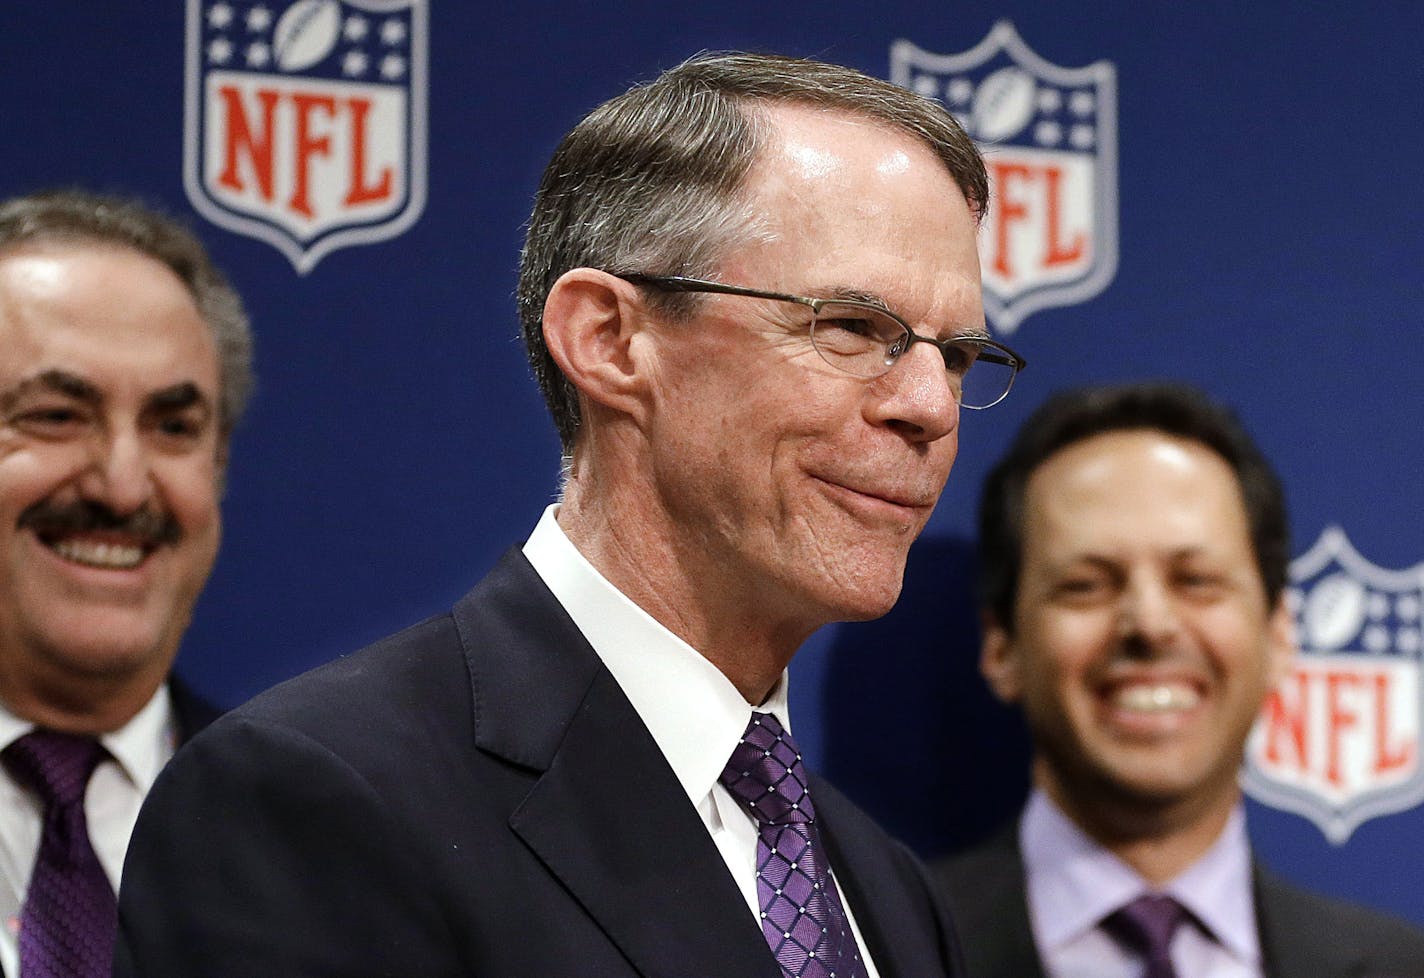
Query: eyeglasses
x,y
866,340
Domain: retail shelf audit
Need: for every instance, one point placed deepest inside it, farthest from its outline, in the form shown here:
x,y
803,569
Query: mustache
x,y
149,526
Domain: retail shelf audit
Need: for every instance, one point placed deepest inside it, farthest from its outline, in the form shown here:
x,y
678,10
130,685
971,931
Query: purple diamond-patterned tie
x,y
69,919
801,912
1147,925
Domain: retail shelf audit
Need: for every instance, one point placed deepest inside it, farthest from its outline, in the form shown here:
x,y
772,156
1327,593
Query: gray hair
x,y
80,216
651,181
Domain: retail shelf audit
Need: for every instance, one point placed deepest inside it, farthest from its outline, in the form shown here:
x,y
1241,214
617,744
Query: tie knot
x,y
1148,923
55,765
766,775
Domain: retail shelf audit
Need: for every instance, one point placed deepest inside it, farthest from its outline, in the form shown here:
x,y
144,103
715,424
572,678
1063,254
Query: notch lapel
x,y
605,814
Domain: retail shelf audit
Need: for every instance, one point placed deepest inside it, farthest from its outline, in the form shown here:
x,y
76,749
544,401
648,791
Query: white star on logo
x,y
1082,103
1048,133
354,64
1407,607
258,54
392,32
219,51
392,66
259,18
355,28
960,90
219,15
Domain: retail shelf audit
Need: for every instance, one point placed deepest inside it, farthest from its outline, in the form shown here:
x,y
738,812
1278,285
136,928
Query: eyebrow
x,y
172,398
875,299
59,381
177,397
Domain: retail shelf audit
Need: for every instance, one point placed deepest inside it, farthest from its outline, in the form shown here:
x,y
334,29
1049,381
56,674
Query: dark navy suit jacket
x,y
472,796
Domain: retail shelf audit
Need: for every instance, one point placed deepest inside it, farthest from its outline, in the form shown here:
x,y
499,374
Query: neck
x,y
1159,840
642,553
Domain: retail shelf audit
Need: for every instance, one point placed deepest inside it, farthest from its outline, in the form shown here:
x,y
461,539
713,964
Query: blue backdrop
x,y
1270,241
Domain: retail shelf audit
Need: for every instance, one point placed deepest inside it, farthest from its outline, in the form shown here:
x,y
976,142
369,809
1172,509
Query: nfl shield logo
x,y
1049,136
304,120
1338,741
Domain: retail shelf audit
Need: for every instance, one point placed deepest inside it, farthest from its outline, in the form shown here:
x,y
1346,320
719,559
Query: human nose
x,y
119,472
1148,611
915,395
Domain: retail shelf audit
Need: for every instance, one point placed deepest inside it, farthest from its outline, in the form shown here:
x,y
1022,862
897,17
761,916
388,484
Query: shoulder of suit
x,y
1289,912
423,661
996,860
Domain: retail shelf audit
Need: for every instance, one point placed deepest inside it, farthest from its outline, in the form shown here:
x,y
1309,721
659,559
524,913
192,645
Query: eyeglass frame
x,y
682,283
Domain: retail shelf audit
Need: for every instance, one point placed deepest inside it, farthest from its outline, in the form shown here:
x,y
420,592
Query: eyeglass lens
x,y
862,341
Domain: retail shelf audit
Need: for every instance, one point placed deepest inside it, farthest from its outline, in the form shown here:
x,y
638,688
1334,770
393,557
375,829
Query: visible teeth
x,y
1159,698
96,554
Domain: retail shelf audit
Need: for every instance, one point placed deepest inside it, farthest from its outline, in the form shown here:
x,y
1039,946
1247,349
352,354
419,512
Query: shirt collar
x,y
140,747
1218,889
1074,882
694,712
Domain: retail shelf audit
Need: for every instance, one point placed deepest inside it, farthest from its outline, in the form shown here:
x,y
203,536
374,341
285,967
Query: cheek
x,y
1236,645
1078,644
191,491
33,472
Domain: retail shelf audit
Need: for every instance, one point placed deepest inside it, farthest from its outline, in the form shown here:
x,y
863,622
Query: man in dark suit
x,y
586,768
1133,568
124,364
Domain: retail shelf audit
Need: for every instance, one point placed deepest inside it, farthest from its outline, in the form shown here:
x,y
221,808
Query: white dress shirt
x,y
693,711
138,750
1073,883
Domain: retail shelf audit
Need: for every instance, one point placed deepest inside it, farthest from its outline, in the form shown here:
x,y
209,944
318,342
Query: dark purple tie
x,y
69,918
1146,925
801,912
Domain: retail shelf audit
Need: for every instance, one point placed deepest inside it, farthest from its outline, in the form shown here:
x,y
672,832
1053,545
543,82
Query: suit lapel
x,y
987,887
1294,944
605,815
862,876
610,820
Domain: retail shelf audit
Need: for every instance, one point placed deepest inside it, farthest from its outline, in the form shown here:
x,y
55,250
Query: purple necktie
x,y
68,923
801,913
1146,925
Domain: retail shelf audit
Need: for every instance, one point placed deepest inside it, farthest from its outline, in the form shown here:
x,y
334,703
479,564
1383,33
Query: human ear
x,y
999,661
590,321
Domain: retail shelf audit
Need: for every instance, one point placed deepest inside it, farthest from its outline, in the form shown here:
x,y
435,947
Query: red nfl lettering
x,y
252,145
1030,196
1357,719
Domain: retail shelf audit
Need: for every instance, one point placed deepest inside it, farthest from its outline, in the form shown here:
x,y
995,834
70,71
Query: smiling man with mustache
x,y
124,363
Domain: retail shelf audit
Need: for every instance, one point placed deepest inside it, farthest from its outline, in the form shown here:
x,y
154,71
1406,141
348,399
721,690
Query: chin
x,y
871,601
103,654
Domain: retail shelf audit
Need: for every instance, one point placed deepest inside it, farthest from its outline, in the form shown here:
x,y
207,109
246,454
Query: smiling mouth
x,y
1162,697
104,554
901,500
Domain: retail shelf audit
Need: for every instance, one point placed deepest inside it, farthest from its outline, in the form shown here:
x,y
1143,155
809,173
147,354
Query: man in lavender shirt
x,y
1134,547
